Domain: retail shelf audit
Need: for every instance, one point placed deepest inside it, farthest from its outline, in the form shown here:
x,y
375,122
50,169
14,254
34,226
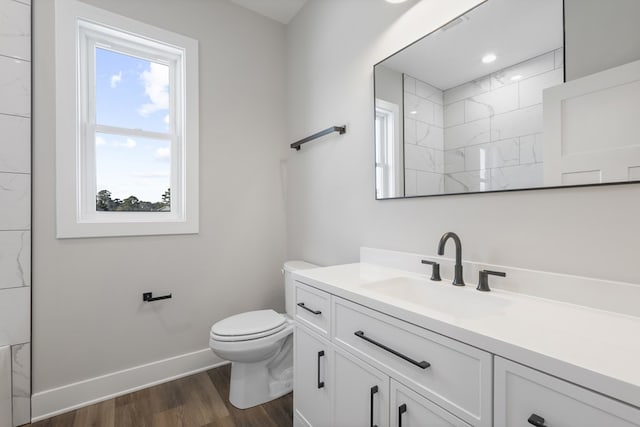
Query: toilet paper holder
x,y
148,297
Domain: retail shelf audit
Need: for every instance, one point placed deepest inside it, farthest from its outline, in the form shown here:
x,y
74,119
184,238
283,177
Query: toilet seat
x,y
248,326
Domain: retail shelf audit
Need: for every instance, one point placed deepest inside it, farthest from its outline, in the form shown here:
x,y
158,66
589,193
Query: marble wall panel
x,y
15,86
15,259
21,383
15,192
15,33
15,144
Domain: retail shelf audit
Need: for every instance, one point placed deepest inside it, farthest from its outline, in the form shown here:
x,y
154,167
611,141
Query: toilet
x,y
259,345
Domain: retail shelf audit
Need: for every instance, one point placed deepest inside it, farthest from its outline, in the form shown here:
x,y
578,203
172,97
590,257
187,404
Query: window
x,y
127,142
389,180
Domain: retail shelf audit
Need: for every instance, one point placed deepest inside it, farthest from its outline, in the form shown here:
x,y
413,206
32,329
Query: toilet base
x,y
253,384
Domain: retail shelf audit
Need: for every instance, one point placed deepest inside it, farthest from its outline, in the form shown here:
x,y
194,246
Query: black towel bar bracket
x,y
148,297
340,129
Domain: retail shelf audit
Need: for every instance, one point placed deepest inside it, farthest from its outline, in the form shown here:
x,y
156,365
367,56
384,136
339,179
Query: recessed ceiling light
x,y
516,77
413,112
396,1
489,58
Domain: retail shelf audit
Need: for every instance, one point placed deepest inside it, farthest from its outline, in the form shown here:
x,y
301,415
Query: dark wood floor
x,y
194,401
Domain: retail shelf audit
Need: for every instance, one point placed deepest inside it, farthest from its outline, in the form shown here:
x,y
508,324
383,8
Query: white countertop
x,y
596,349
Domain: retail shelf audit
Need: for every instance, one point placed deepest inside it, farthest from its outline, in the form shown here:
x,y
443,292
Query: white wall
x,y
332,46
89,318
600,35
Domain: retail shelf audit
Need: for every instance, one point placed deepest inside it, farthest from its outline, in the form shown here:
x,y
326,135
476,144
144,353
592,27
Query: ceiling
x,y
280,10
515,30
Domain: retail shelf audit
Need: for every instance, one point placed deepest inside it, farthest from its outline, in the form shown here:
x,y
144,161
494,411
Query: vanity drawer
x,y
456,376
522,393
313,309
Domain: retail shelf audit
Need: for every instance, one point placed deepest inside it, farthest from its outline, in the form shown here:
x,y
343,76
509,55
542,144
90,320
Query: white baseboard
x,y
63,399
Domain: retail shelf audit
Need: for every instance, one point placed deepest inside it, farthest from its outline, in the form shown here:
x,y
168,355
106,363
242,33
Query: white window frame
x,y
81,28
390,182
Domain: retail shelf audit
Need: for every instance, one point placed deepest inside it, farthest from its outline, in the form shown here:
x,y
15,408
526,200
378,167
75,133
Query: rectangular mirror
x,y
481,104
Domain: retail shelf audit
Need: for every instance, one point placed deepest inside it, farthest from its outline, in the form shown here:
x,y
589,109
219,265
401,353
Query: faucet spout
x,y
458,280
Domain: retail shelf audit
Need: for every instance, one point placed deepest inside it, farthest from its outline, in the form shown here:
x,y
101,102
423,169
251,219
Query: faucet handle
x,y
483,280
435,270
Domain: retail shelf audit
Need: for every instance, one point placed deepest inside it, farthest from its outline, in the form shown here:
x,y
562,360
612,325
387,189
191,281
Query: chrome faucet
x,y
458,280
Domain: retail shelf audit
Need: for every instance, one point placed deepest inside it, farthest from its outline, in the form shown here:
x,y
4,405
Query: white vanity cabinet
x,y
313,362
525,397
354,380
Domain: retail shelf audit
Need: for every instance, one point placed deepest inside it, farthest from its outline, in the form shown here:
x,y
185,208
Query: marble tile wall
x,y
15,198
423,138
493,127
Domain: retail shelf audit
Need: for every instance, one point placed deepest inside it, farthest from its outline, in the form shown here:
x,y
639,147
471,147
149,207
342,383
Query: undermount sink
x,y
440,296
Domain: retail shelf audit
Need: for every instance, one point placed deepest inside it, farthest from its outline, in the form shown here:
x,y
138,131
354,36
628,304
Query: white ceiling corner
x,y
279,10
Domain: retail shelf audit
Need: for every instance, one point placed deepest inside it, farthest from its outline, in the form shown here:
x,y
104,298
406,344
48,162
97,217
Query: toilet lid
x,y
249,323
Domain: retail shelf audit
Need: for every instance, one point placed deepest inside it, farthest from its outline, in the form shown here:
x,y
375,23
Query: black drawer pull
x,y
536,420
401,410
374,390
316,312
320,383
423,365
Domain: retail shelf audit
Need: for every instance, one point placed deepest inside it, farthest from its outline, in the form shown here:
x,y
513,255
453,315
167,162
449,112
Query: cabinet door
x,y
409,409
361,394
312,381
525,397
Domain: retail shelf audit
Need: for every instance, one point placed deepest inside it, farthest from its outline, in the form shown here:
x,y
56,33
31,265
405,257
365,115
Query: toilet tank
x,y
287,268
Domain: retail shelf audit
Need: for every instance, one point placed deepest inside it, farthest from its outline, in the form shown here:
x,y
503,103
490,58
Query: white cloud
x,y
116,79
156,87
100,141
151,174
130,143
163,153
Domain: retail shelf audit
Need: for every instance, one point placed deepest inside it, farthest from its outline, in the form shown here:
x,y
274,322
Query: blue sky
x,y
132,93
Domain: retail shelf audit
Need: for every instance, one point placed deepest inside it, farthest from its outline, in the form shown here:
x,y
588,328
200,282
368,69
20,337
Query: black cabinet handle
x,y
316,312
536,420
423,365
401,410
374,390
320,383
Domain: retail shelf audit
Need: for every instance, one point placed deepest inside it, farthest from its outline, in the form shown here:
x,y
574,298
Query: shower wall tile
x,y
492,155
454,114
423,159
428,92
491,103
15,33
467,134
523,176
15,86
467,90
531,89
15,198
15,144
531,149
464,182
454,160
431,136
524,70
21,383
15,259
14,315
429,183
526,121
